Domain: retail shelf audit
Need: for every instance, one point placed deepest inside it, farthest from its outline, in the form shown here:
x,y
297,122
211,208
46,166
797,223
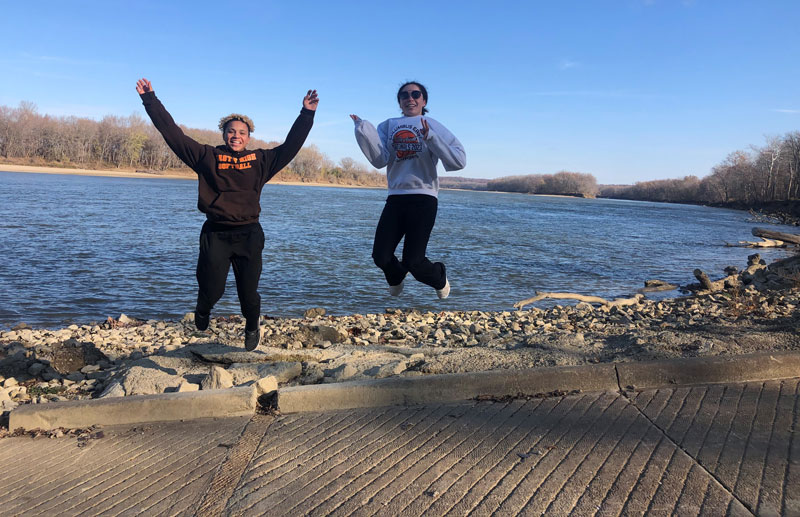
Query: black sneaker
x,y
201,321
251,339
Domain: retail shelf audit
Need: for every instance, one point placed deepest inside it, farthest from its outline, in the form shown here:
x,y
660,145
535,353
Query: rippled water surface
x,y
77,249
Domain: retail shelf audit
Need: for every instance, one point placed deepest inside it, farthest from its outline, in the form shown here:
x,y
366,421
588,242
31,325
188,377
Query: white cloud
x,y
27,57
793,112
566,64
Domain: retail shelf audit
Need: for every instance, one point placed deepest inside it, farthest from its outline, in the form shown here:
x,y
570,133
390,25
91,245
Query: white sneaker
x,y
395,290
444,292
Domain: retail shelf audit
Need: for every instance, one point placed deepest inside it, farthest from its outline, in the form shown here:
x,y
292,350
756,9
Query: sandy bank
x,y
113,173
5,167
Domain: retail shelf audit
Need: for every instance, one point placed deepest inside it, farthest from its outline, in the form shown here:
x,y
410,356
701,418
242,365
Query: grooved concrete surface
x,y
713,450
718,450
147,469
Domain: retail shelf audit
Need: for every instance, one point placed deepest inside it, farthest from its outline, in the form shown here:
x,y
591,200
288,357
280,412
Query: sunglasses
x,y
414,94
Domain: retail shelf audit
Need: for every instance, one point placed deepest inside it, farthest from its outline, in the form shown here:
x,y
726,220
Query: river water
x,y
77,249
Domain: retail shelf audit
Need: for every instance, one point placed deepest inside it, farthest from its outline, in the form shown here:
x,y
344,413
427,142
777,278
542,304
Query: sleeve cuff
x,y
306,111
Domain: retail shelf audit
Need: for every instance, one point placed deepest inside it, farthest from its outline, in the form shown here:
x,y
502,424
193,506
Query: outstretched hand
x,y
311,100
143,86
425,128
356,118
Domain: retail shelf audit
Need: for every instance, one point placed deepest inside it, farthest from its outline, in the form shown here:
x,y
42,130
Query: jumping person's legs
x,y
247,243
388,234
420,217
213,263
246,259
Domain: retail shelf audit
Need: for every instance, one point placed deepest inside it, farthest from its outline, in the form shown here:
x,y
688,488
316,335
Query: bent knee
x,y
382,260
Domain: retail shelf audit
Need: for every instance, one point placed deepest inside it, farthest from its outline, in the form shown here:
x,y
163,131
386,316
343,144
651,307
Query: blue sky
x,y
627,90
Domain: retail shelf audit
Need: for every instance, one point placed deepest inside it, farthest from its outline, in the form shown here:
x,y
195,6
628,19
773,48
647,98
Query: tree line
x,y
561,183
755,178
761,175
28,137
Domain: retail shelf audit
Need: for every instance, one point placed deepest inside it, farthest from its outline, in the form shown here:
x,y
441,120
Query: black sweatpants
x,y
411,216
221,246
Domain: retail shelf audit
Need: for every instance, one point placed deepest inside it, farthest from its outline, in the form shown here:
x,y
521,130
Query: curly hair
x,y
236,116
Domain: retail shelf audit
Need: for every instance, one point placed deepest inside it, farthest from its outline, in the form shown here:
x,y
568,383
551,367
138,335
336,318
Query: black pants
x,y
221,246
412,216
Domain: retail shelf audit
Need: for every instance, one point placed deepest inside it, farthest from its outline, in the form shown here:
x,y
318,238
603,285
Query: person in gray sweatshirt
x,y
409,147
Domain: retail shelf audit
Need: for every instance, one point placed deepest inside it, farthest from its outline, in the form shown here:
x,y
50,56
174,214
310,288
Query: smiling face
x,y
410,106
236,135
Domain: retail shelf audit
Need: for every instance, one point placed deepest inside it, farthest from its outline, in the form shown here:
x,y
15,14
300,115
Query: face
x,y
411,107
236,135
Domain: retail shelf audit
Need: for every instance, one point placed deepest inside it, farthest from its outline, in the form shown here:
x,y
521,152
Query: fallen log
x,y
656,285
619,302
704,280
776,236
764,243
718,285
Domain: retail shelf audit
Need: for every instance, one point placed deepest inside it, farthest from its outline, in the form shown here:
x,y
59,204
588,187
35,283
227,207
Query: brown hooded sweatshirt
x,y
229,183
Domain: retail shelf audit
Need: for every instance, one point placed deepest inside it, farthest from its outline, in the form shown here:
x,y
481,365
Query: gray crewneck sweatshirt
x,y
410,159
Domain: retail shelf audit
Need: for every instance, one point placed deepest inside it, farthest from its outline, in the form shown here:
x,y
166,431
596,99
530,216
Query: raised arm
x,y
189,151
444,145
371,142
280,156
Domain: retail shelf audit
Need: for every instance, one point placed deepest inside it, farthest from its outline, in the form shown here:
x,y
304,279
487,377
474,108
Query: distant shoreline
x,y
36,169
8,167
111,173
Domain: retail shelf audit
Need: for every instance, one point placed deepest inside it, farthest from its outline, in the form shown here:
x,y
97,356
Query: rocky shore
x,y
748,311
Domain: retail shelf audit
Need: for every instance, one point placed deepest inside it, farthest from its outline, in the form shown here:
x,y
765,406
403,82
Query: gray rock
x,y
217,379
126,320
11,381
223,354
342,373
312,373
188,386
50,375
388,370
137,380
266,386
75,376
329,333
114,389
15,364
315,312
71,356
249,372
99,375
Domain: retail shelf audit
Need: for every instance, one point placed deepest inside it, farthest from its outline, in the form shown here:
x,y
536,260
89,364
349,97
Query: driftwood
x,y
776,236
764,243
619,302
656,285
717,285
704,280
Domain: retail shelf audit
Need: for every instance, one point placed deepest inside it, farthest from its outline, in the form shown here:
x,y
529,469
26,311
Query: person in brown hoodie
x,y
230,179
